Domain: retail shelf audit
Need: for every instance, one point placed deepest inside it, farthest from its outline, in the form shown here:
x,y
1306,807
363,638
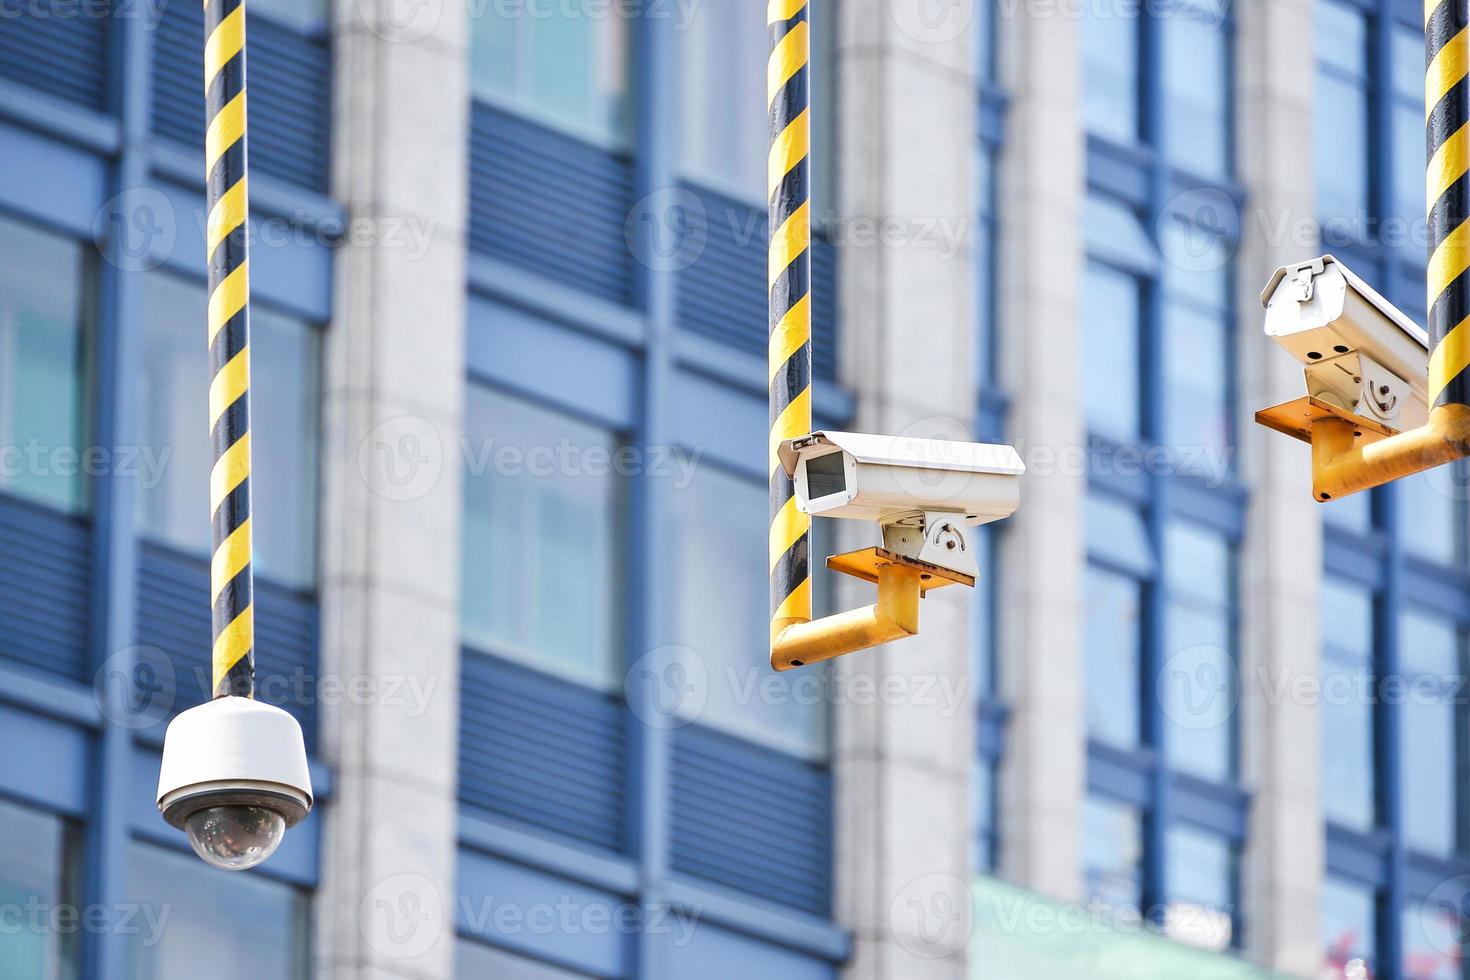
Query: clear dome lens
x,y
235,837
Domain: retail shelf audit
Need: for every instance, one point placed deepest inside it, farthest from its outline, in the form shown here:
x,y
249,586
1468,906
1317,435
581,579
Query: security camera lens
x,y
235,837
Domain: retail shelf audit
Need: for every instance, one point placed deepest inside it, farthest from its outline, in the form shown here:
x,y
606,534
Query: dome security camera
x,y
234,778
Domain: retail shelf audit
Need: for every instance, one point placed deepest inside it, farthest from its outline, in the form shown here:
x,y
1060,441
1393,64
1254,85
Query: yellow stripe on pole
x,y
1449,360
222,45
1448,164
230,470
794,330
234,641
780,11
229,558
228,213
228,298
795,420
226,387
788,58
788,526
791,239
787,150
1447,68
1448,261
224,131
797,606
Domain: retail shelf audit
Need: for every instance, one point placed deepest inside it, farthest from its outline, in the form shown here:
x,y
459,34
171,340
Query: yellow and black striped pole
x,y
788,96
1447,130
227,251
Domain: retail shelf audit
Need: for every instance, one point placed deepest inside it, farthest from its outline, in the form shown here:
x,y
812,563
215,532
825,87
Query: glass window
x,y
724,127
1430,514
1348,781
1116,535
1410,154
477,961
1113,305
566,64
1430,650
1110,82
43,366
540,555
724,120
201,935
1354,513
722,616
1199,685
1196,91
37,879
1342,113
1349,932
1197,427
1113,852
1201,884
1114,637
1432,936
176,456
303,15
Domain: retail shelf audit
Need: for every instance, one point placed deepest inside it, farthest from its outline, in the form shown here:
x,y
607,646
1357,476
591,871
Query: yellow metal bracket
x,y
901,582
1351,453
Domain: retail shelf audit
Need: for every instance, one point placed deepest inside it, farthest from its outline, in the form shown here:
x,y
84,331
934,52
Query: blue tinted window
x,y
176,455
35,873
564,65
1114,638
200,934
1349,929
1112,307
43,369
721,617
1342,115
1196,90
540,537
982,813
1110,83
1198,683
1112,848
1201,884
1433,934
1430,650
1116,534
1348,781
1431,510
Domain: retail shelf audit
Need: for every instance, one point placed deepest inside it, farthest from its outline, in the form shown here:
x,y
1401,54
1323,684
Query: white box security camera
x,y
1361,353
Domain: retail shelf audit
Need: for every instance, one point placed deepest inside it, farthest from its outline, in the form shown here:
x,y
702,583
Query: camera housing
x,y
1365,361
235,778
923,492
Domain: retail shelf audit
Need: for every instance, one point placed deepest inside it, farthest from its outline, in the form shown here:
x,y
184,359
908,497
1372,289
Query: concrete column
x,y
393,405
1042,611
906,206
1282,566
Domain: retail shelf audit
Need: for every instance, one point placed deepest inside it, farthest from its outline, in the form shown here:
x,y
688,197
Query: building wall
x,y
511,402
